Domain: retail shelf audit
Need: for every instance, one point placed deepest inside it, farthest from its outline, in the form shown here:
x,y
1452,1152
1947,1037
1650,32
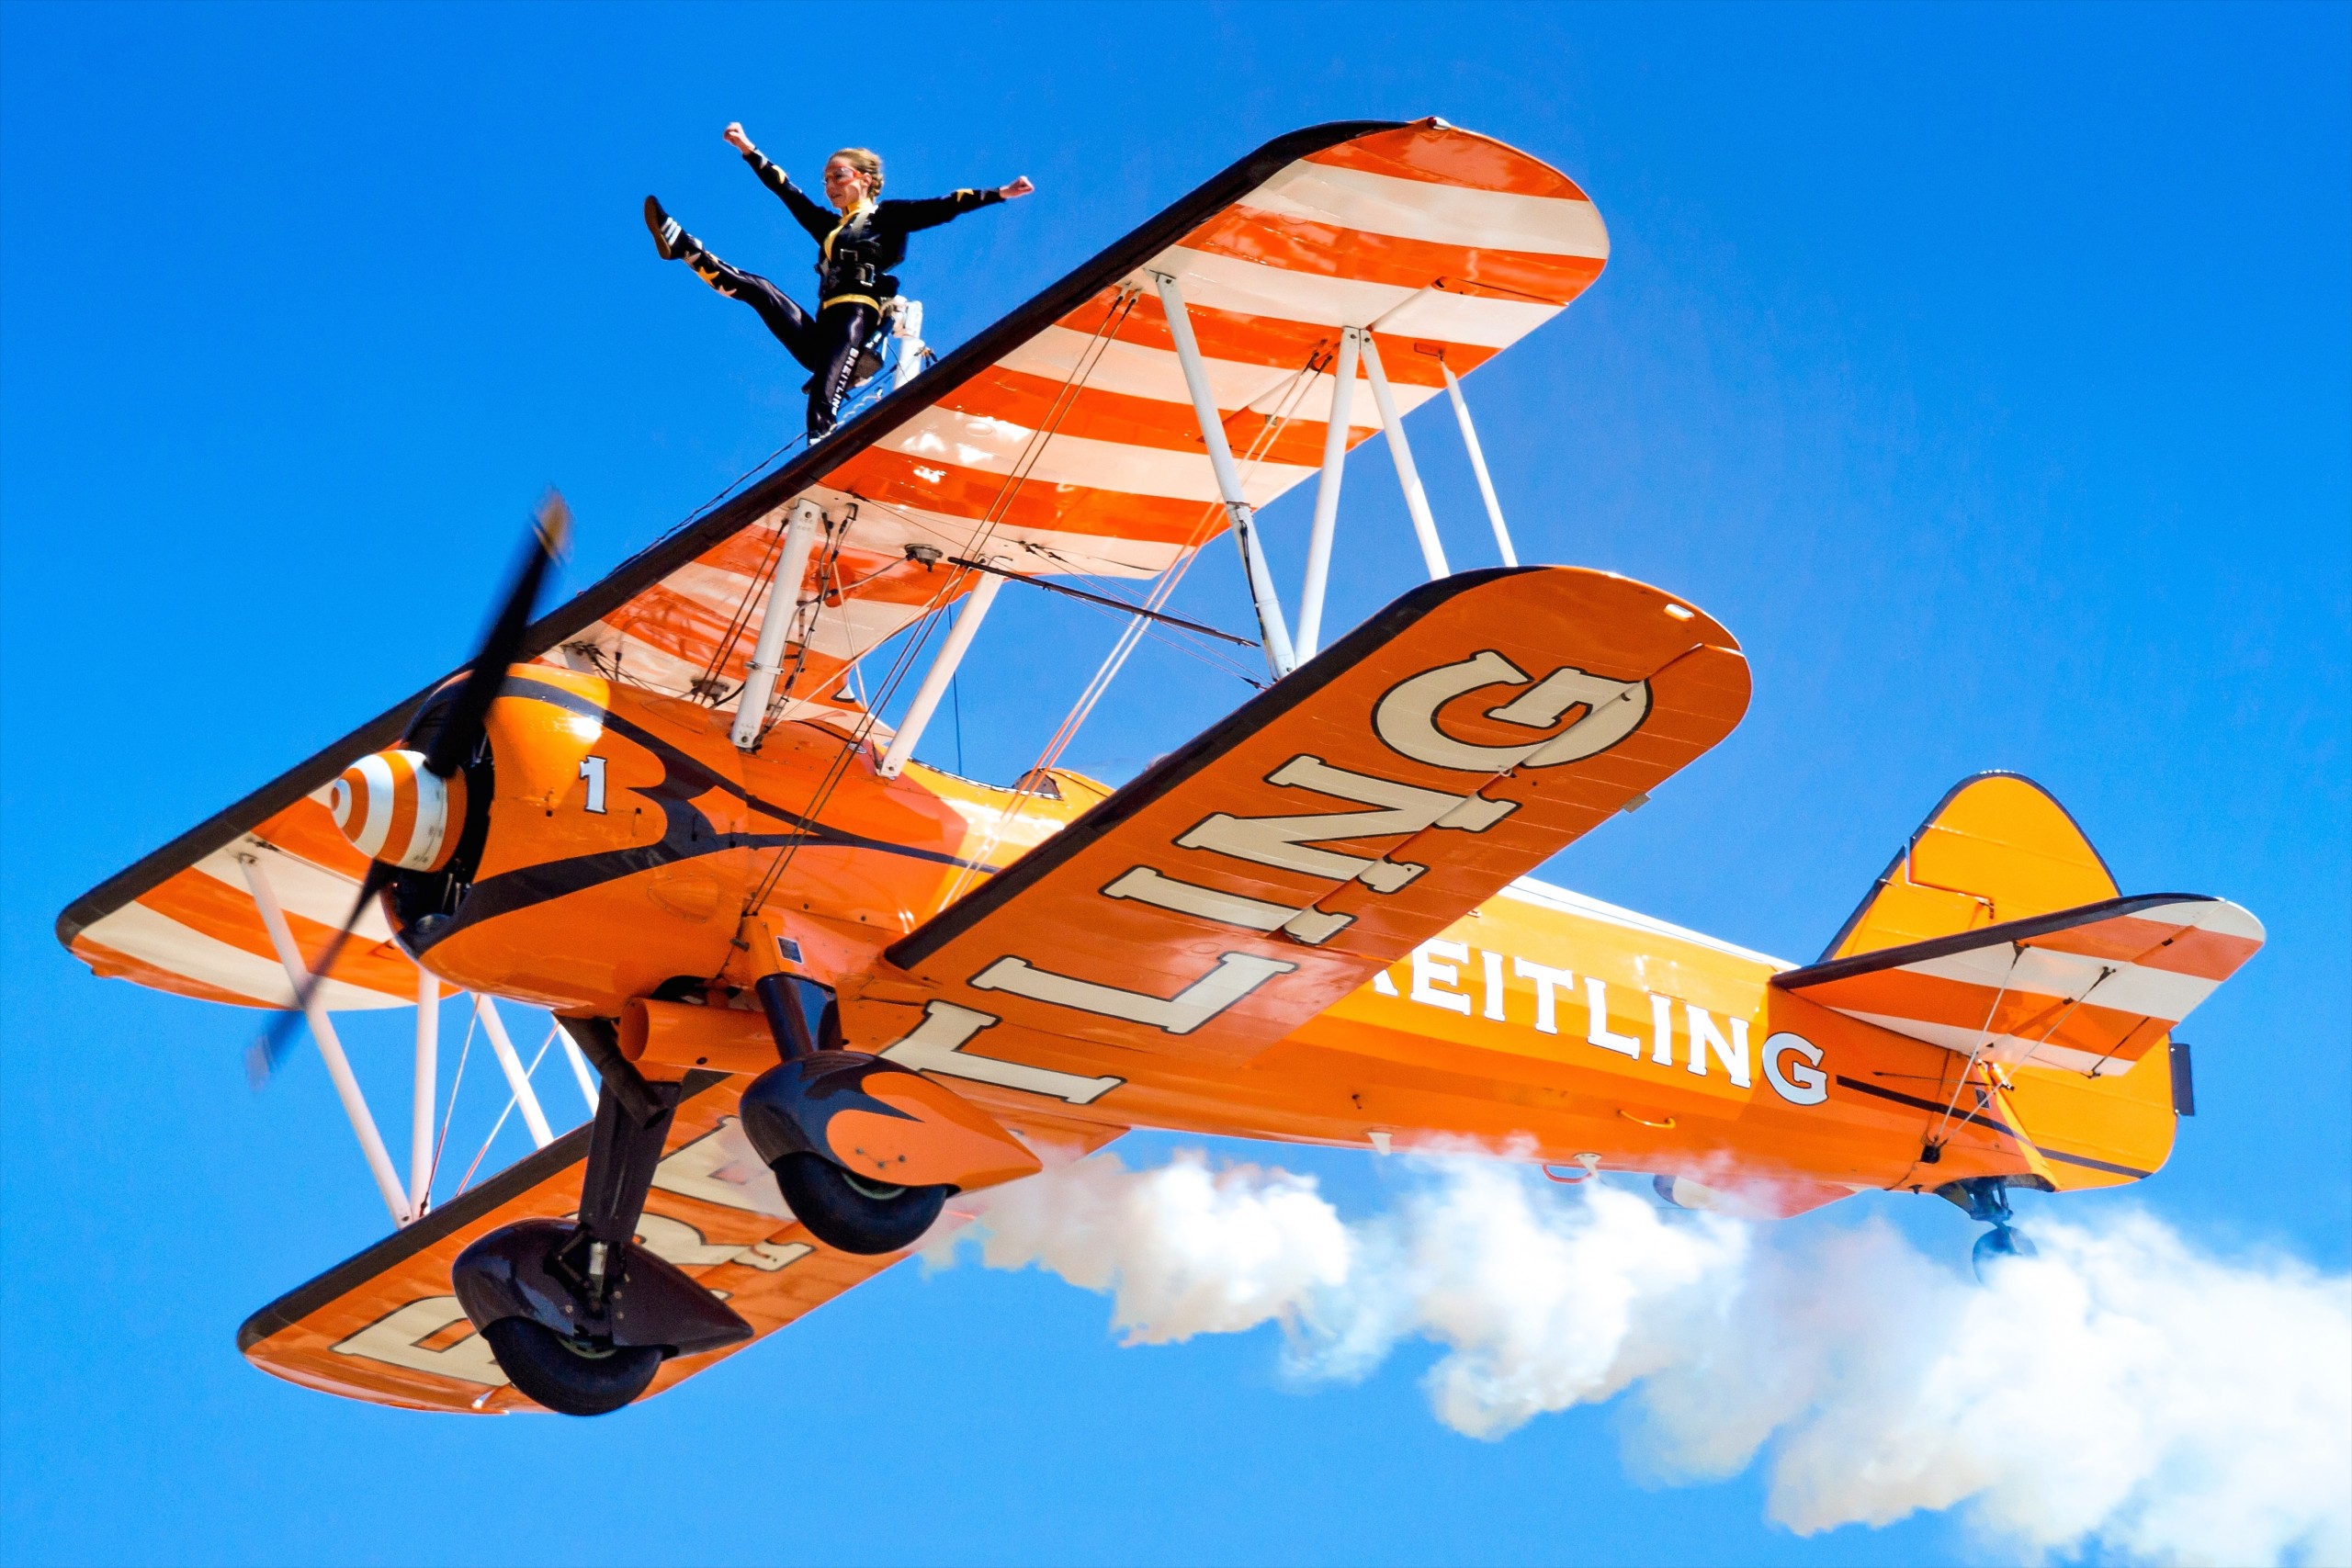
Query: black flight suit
x,y
856,251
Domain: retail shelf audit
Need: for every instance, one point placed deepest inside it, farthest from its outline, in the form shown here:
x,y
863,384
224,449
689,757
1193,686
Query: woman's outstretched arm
x,y
811,217
932,211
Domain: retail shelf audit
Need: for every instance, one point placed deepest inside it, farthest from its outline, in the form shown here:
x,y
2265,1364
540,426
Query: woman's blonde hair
x,y
865,162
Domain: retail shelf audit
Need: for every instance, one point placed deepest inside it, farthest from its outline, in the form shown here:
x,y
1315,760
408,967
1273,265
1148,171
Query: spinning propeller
x,y
406,810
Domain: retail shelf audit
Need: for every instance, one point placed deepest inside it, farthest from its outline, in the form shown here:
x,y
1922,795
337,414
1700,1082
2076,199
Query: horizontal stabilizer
x,y
2089,989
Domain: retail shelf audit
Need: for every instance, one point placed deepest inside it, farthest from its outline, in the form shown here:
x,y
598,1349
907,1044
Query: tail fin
x,y
1997,847
1997,934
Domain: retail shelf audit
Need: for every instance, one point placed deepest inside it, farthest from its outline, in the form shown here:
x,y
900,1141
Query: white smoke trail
x,y
2120,1394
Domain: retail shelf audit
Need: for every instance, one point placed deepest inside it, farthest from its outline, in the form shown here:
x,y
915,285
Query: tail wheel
x,y
1996,1245
850,1213
570,1377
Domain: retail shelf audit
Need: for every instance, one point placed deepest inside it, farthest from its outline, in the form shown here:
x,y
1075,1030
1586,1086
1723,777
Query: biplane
x,y
832,996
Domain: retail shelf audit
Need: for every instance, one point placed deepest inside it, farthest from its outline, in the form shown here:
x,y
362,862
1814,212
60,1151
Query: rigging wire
x,y
457,1082
699,512
511,1100
1107,601
740,619
1084,707
855,742
1065,399
1934,1139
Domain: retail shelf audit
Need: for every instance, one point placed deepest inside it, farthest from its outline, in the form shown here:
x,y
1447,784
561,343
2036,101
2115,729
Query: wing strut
x,y
1271,629
428,1090
579,1069
1478,465
502,1047
942,670
1417,500
346,1087
1327,492
775,623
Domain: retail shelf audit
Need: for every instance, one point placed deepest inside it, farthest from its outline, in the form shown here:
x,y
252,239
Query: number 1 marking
x,y
593,769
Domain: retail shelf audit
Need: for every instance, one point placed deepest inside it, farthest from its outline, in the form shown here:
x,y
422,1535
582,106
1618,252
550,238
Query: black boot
x,y
672,241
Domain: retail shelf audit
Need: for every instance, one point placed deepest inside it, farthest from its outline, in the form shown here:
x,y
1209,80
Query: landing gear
x,y
851,1213
570,1377
846,1212
1995,1246
579,1314
865,1150
1986,1199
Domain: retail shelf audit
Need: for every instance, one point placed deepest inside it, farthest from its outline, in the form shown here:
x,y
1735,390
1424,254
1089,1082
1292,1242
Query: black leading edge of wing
x,y
698,534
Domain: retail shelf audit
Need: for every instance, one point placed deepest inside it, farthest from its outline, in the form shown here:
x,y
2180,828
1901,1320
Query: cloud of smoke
x,y
2119,1394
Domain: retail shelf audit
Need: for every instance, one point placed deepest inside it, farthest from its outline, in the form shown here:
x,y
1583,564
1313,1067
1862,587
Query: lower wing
x,y
386,1328
1246,882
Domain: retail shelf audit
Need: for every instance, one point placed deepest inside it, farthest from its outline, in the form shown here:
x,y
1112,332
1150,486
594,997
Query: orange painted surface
x,y
936,1137
1417,994
1999,847
385,1326
679,1036
1427,150
1195,952
1301,245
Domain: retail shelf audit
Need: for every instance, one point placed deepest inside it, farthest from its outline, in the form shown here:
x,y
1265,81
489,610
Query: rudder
x,y
1997,847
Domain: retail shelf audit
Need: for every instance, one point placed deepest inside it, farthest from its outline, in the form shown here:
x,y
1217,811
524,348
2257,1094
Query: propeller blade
x,y
460,732
461,729
268,1051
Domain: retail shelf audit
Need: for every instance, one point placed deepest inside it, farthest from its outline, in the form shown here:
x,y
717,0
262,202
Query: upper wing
x,y
385,1326
198,931
1060,440
1244,884
2089,989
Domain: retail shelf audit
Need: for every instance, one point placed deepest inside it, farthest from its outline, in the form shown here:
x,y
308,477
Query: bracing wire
x,y
457,1082
739,620
1067,731
1065,399
511,1100
1935,1140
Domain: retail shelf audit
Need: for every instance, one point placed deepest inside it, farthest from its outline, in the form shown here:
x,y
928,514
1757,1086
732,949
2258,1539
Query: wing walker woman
x,y
858,245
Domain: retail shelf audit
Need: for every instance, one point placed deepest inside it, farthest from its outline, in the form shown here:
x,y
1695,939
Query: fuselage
x,y
626,840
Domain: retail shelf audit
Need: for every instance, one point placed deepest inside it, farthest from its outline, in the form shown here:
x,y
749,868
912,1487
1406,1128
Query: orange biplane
x,y
826,989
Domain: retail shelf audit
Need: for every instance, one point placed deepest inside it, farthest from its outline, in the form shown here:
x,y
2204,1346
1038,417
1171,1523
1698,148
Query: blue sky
x,y
1985,371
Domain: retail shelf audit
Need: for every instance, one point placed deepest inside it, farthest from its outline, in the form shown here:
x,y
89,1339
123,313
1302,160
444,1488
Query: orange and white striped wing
x,y
197,933
1062,439
2089,990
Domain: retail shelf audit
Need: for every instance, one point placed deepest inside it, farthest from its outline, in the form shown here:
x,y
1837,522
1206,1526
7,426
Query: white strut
x,y
1478,465
1417,501
1326,494
512,1065
427,1092
776,620
942,670
346,1087
1271,632
579,1069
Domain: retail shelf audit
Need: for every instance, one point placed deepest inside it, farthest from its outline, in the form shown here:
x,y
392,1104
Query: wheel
x,y
1995,1244
570,1377
850,1213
